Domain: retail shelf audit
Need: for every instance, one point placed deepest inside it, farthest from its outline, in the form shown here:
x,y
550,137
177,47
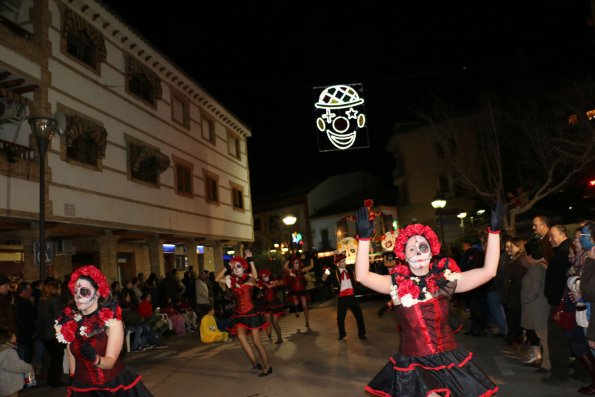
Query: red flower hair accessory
x,y
264,272
93,273
416,230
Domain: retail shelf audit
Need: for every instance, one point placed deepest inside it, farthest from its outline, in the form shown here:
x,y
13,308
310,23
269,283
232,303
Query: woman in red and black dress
x,y
94,333
246,319
272,305
429,363
294,270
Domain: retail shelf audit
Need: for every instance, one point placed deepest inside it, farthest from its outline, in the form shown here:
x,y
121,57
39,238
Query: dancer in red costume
x,y
272,305
94,334
246,319
294,268
428,363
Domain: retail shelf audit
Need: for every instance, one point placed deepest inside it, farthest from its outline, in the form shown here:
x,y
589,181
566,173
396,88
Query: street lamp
x,y
290,220
462,216
438,203
43,129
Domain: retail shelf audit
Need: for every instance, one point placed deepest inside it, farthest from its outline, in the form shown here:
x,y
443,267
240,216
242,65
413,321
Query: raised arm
x,y
220,277
365,229
476,277
250,260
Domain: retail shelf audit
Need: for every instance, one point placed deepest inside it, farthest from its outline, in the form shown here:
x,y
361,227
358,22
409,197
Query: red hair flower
x,y
407,286
93,273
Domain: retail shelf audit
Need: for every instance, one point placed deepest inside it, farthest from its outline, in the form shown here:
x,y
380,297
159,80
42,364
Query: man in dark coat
x,y
555,282
7,315
25,317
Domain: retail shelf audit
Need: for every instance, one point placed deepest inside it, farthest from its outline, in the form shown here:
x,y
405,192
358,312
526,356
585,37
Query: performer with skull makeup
x,y
94,334
246,319
428,363
295,269
272,305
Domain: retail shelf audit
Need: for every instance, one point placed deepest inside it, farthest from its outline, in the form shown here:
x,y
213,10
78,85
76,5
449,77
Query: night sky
x,y
262,60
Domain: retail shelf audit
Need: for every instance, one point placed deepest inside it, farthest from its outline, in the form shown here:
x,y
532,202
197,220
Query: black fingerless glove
x,y
497,218
249,259
88,352
363,225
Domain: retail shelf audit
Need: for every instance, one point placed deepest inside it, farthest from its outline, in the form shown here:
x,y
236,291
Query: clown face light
x,y
85,295
340,114
418,253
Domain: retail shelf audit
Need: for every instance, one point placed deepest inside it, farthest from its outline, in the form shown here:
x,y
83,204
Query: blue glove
x,y
497,217
88,352
363,225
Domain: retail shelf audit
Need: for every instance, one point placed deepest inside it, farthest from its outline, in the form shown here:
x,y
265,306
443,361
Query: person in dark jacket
x,y
49,309
7,315
25,314
555,283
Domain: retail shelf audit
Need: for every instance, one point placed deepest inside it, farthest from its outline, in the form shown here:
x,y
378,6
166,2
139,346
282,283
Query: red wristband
x,y
363,238
493,231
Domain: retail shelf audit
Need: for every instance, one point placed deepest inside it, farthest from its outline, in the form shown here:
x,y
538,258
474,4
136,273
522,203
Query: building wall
x,y
106,197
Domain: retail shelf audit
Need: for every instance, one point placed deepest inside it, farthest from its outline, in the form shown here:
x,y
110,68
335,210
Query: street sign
x,y
49,255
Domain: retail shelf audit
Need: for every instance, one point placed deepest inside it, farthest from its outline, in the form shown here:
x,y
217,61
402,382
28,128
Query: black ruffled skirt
x,y
250,320
127,384
450,373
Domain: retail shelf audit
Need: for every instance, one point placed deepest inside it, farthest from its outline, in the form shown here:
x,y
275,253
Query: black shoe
x,y
279,341
541,370
341,337
363,337
59,384
256,367
266,372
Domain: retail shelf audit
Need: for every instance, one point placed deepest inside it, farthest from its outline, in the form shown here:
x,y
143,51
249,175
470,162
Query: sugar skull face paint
x,y
265,278
237,269
85,295
417,252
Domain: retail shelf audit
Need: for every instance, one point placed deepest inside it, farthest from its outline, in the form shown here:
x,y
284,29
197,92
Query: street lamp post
x,y
290,220
43,129
438,203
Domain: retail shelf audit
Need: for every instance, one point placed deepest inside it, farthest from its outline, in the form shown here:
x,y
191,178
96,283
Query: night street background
x,y
262,59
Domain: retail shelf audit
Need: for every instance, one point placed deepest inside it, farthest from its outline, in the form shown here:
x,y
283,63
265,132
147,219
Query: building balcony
x,y
18,161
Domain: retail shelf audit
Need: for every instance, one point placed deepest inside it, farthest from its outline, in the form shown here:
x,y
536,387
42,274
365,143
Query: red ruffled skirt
x,y
451,373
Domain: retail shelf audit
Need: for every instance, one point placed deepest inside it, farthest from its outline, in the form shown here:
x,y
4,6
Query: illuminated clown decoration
x,y
340,114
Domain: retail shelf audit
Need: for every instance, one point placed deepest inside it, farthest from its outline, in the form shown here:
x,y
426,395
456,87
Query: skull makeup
x,y
85,295
265,278
417,252
236,268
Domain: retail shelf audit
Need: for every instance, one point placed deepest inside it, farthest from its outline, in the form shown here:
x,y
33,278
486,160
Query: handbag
x,y
563,317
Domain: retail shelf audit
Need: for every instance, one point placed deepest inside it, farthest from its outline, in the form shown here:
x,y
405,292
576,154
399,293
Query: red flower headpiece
x,y
264,272
93,273
416,230
241,261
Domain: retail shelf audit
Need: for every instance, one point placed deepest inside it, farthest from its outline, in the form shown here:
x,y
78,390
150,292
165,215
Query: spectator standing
x,y
535,308
513,278
152,287
49,309
7,314
171,288
555,283
25,315
202,295
541,227
189,282
475,299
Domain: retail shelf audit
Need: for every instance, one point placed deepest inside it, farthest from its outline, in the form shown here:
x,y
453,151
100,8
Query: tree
x,y
523,151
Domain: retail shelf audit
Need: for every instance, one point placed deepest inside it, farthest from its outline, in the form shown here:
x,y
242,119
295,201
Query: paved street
x,y
311,363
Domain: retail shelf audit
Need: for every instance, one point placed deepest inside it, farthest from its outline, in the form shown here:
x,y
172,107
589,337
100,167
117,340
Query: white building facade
x,y
147,156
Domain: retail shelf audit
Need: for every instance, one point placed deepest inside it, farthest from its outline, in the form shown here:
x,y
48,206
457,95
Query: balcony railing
x,y
18,161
